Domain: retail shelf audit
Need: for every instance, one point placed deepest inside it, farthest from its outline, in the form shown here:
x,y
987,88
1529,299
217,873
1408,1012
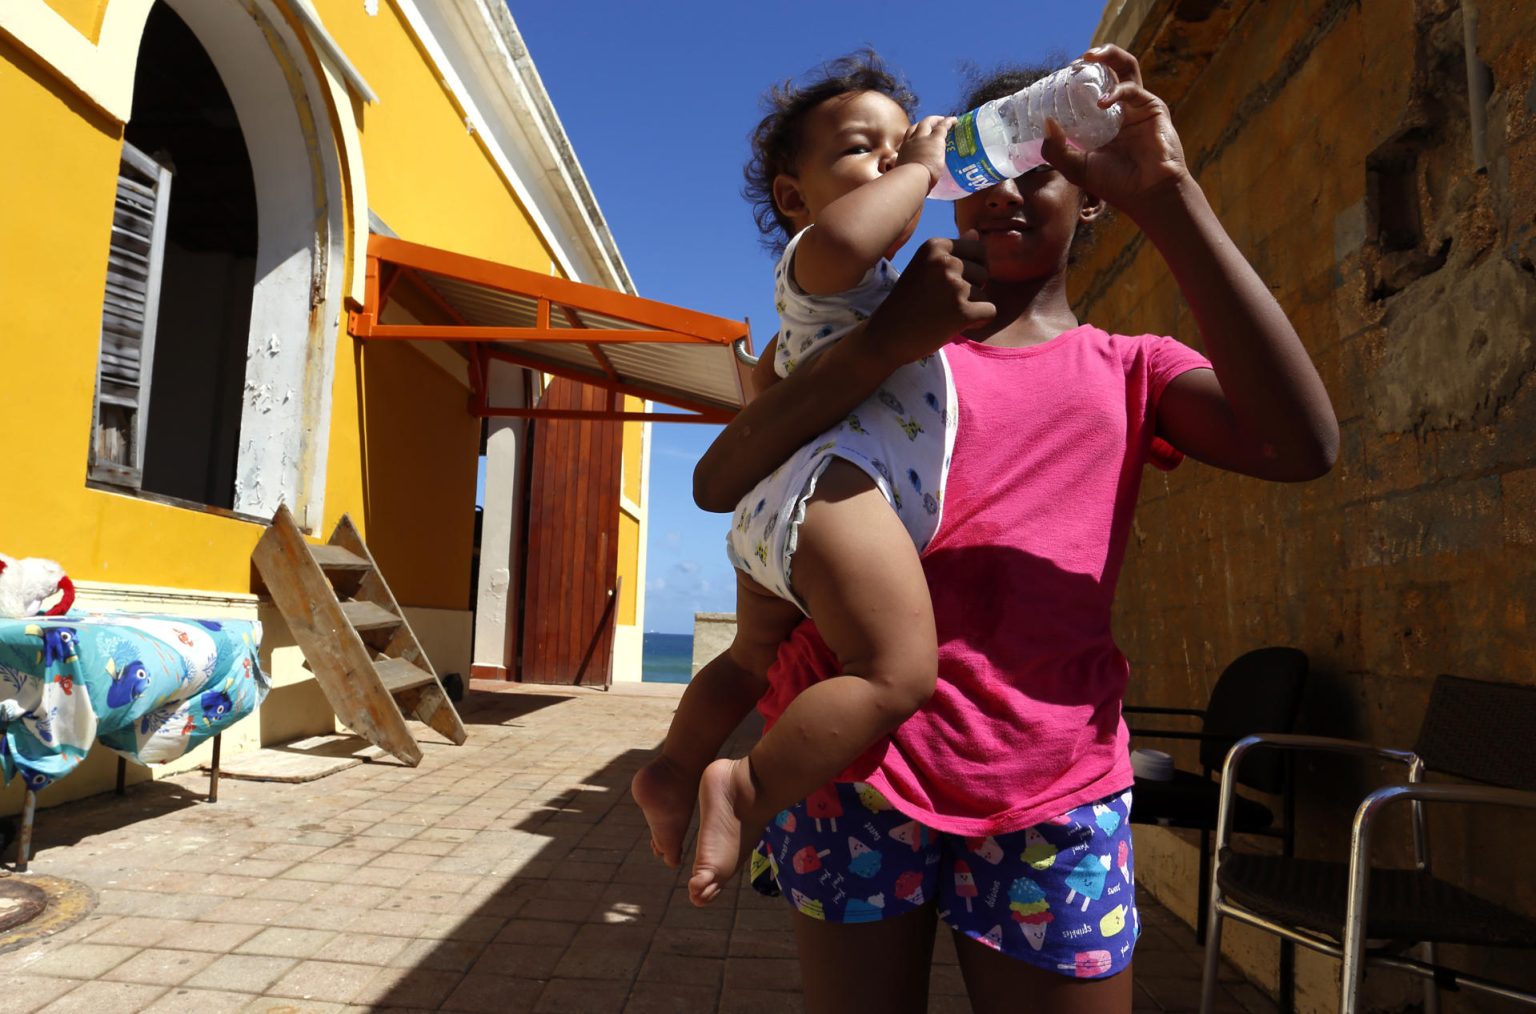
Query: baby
x,y
840,173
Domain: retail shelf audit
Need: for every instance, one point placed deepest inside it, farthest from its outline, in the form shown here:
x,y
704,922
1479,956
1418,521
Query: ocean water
x,y
666,658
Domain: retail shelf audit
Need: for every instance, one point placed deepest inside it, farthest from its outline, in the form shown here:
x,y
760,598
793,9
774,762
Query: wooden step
x,y
398,674
365,616
325,629
336,560
427,702
354,635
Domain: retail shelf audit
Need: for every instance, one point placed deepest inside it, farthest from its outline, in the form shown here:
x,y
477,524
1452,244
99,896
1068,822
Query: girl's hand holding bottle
x,y
1145,160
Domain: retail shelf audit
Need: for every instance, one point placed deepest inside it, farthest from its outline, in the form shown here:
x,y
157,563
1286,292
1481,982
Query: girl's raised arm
x,y
1265,411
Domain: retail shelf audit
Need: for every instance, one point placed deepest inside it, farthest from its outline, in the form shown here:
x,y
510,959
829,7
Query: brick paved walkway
x,y
509,874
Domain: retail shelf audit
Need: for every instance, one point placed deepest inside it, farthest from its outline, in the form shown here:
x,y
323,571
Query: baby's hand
x,y
924,146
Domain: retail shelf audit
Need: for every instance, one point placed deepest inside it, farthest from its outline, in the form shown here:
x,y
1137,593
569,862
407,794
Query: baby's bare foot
x,y
725,794
666,796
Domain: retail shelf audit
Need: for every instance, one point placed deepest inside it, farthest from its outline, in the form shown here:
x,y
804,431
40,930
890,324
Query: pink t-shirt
x,y
1025,722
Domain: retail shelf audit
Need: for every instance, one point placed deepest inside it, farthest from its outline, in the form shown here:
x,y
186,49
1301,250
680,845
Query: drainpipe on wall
x,y
1477,88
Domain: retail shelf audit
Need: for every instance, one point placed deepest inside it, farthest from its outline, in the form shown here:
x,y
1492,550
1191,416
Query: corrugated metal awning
x,y
613,340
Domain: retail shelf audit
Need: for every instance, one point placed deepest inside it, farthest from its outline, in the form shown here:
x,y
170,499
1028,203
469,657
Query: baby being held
x,y
839,175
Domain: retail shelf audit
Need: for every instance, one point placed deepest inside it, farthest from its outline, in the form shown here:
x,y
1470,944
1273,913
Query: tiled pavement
x,y
509,874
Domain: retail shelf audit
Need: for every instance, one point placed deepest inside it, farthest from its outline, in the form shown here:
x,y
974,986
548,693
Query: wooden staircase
x,y
354,636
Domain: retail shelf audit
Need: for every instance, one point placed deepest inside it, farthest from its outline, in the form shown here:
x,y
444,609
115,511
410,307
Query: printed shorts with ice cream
x,y
1060,895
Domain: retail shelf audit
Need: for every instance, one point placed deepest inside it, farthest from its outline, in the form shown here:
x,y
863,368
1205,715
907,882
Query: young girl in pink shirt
x,y
1000,807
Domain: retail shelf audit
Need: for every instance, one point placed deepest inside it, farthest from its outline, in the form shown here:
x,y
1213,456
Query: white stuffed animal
x,y
26,584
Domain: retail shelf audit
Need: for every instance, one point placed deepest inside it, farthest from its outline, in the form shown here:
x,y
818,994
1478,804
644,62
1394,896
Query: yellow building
x,y
207,203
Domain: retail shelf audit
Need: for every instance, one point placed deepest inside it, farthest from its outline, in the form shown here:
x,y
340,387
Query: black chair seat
x,y
1189,801
1402,904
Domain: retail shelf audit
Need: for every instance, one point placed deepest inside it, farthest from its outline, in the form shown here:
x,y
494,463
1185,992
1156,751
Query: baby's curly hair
x,y
776,140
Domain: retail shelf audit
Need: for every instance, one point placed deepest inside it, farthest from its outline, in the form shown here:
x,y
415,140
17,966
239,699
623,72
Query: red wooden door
x,y
573,521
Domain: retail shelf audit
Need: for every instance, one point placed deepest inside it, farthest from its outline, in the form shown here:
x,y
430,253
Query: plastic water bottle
x,y
1002,139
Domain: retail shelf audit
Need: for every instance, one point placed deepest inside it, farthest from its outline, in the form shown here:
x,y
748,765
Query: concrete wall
x,y
1333,137
634,526
712,634
445,635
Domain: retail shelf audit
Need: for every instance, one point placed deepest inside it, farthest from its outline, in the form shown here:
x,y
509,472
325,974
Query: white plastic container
x,y
1002,139
1152,765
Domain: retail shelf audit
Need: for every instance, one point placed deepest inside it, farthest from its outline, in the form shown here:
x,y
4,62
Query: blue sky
x,y
658,100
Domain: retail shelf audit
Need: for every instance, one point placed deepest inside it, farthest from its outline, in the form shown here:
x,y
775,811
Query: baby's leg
x,y
717,699
856,569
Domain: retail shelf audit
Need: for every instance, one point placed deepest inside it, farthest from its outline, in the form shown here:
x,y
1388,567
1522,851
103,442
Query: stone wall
x,y
1334,139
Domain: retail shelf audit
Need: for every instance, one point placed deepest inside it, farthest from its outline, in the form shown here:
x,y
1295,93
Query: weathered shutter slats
x,y
129,309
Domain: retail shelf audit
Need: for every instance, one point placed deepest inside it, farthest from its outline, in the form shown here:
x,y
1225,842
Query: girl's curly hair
x,y
982,87
777,139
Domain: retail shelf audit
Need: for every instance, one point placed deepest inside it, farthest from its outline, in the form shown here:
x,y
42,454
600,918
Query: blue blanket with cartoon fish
x,y
149,687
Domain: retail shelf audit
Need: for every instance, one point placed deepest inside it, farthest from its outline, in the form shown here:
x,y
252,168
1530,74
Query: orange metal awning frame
x,y
512,315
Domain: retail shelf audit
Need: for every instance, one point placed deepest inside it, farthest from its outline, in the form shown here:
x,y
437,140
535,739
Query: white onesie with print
x,y
902,437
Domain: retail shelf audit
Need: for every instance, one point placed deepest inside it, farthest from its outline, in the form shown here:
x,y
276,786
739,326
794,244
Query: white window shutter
x,y
128,320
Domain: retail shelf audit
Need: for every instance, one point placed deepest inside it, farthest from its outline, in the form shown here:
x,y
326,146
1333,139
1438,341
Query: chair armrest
x,y
1491,795
1204,737
1323,744
1137,709
1291,741
1142,709
1372,807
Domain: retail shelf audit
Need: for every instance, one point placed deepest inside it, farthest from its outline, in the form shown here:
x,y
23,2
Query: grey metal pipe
x,y
213,773
1477,87
24,842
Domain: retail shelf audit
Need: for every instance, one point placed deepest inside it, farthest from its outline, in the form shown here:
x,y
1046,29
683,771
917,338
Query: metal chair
x,y
1258,692
1365,915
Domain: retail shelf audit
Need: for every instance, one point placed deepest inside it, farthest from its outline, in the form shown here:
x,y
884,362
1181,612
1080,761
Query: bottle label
x,y
966,159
